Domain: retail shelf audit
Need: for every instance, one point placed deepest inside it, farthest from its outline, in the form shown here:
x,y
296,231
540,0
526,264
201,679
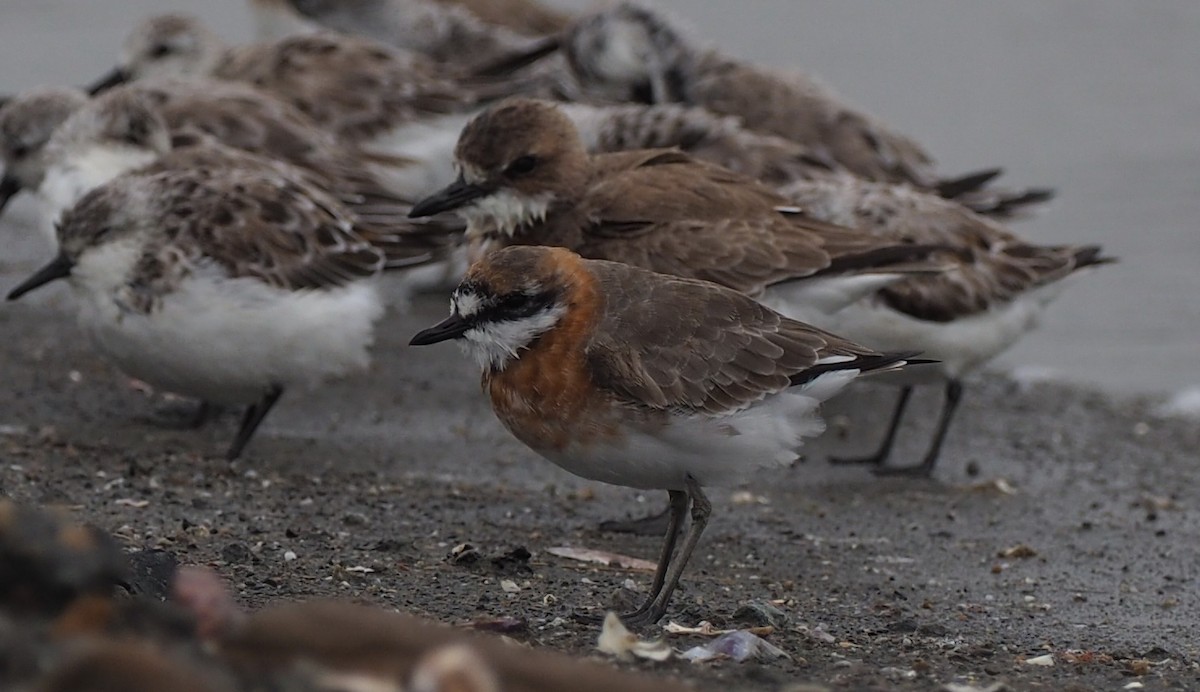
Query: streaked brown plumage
x,y
356,87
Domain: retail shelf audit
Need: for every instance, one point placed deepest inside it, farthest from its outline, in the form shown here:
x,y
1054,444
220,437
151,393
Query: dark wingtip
x,y
1089,256
954,187
510,63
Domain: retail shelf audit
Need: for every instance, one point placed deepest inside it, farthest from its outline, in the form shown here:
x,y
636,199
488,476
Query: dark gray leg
x,y
675,510
657,607
250,421
954,390
885,449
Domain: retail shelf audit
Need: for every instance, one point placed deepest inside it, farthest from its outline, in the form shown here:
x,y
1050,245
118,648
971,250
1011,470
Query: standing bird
x,y
631,53
186,124
629,377
362,91
526,178
995,289
27,122
222,277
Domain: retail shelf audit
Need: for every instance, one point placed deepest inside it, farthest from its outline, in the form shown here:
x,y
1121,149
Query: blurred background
x,y
1097,98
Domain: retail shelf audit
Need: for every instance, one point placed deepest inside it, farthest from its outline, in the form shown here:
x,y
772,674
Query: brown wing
x,y
987,277
671,343
987,264
356,87
669,213
255,223
799,109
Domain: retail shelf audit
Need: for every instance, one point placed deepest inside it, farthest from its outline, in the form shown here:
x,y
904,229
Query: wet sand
x,y
887,584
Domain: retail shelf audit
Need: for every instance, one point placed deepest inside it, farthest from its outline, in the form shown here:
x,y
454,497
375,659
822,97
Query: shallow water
x,y
1097,98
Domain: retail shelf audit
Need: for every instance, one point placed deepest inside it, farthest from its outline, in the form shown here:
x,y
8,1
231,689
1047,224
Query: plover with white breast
x,y
527,179
630,52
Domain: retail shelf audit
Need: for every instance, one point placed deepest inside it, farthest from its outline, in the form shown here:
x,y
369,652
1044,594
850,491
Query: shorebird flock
x,y
662,258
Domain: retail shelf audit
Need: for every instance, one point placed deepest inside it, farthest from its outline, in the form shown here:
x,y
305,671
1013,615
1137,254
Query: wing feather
x,y
679,344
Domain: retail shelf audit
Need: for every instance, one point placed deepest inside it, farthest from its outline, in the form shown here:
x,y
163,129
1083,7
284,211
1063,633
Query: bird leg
x,y
250,421
656,605
675,511
954,390
880,456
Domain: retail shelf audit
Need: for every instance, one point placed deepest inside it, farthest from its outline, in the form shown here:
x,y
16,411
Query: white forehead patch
x,y
465,304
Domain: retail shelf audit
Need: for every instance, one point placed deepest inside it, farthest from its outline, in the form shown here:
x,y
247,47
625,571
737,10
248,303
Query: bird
x,y
629,377
527,178
446,30
27,121
525,174
360,90
451,32
187,124
995,290
630,52
229,284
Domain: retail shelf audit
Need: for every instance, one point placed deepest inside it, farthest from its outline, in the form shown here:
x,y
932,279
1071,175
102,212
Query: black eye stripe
x,y
512,306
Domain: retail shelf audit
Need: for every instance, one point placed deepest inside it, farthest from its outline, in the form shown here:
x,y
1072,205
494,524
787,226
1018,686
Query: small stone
x,y
759,613
289,556
236,554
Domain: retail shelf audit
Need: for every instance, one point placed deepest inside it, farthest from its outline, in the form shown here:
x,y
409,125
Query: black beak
x,y
452,327
453,196
114,78
9,186
59,268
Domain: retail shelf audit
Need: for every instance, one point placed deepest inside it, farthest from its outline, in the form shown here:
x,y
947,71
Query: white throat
x,y
105,268
494,345
505,211
68,180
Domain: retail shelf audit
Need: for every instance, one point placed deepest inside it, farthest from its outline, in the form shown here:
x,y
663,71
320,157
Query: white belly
x,y
961,345
227,340
716,451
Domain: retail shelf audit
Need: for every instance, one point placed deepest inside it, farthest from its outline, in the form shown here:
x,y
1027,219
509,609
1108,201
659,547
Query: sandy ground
x,y
371,483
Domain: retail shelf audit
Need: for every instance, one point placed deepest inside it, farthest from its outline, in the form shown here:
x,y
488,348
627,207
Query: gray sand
x,y
888,584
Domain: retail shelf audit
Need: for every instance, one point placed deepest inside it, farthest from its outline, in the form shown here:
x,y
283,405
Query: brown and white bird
x,y
625,376
187,124
526,178
453,32
209,273
362,91
630,52
995,289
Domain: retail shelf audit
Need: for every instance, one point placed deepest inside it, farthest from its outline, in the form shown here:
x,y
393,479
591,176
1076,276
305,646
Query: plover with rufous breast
x,y
625,376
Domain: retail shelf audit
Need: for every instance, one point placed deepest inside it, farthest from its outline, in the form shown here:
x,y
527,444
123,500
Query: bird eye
x,y
521,166
160,50
19,151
